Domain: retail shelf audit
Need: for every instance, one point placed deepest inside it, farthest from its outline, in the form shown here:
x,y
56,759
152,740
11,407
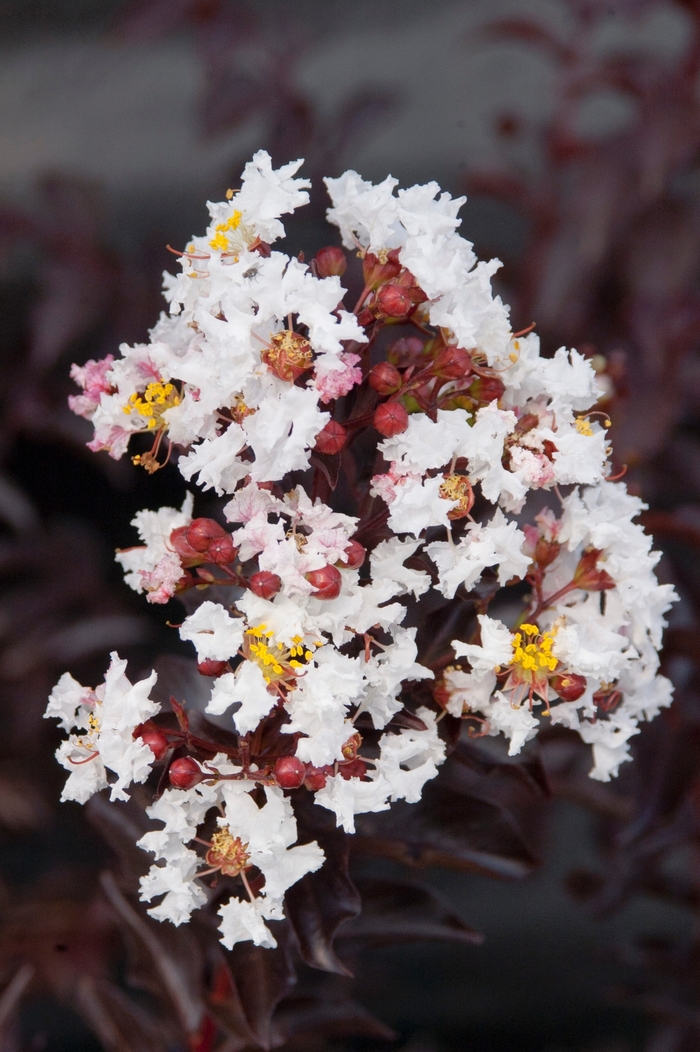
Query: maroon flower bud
x,y
546,552
354,556
153,737
568,685
265,584
222,550
201,532
289,772
211,667
588,576
355,769
390,419
385,378
487,389
393,301
331,439
178,542
326,582
316,777
185,773
330,261
452,363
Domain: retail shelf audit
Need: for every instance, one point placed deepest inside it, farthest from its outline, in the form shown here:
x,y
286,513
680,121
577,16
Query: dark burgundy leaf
x,y
399,912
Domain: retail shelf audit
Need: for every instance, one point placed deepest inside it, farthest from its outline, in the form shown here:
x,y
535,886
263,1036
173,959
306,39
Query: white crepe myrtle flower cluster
x,y
360,478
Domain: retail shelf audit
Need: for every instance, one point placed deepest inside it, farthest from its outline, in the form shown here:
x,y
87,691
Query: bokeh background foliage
x,y
574,126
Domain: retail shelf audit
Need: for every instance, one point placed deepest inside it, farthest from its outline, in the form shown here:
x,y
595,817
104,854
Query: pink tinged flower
x,y
92,377
160,583
337,382
114,440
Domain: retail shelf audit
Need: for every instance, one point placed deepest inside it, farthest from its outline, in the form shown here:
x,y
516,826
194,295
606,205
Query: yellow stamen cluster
x,y
227,852
583,426
220,241
535,655
457,487
275,659
153,403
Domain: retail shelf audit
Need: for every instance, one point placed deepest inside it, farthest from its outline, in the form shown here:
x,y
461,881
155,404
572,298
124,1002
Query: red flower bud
x,y
487,389
185,773
316,777
390,419
354,555
568,685
153,737
201,532
393,301
265,584
546,552
289,772
385,378
222,550
211,667
331,439
188,555
326,582
588,576
452,363
355,769
329,261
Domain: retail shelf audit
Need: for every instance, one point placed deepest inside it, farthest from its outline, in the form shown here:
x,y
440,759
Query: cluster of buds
x,y
258,383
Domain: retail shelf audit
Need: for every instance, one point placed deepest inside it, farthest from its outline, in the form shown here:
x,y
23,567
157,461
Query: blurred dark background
x,y
574,127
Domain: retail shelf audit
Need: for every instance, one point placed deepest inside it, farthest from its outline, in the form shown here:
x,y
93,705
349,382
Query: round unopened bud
x,y
357,768
153,737
265,584
452,363
316,777
185,773
390,419
187,554
330,261
487,389
211,667
222,550
385,378
568,685
331,439
289,772
354,555
393,301
201,532
326,582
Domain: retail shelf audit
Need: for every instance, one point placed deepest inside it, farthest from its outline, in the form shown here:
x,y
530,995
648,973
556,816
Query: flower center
x,y
457,487
156,399
583,426
532,652
227,852
289,354
275,660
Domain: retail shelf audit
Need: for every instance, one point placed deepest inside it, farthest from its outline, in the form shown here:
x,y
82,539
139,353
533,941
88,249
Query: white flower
x,y
496,543
495,649
215,634
409,759
248,689
142,564
103,724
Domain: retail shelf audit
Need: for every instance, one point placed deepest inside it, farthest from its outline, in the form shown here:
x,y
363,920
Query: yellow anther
x,y
583,426
220,242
